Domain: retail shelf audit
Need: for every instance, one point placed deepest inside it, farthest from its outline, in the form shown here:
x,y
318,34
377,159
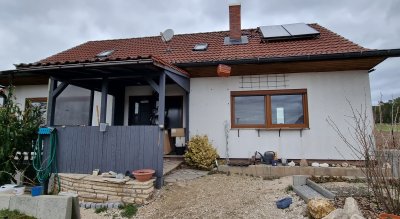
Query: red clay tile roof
x,y
181,47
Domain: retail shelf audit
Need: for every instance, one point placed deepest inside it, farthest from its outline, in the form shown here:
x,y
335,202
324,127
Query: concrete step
x,y
306,192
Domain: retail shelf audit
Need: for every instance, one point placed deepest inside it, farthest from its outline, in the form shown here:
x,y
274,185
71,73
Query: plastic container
x,y
19,190
37,190
284,203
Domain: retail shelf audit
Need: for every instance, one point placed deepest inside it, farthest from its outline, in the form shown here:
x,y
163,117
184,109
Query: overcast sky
x,y
32,30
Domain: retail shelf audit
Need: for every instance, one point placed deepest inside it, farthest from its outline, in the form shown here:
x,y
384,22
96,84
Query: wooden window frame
x,y
35,99
268,115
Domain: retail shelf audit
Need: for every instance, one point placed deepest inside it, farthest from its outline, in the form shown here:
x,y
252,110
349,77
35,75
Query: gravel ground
x,y
222,196
219,196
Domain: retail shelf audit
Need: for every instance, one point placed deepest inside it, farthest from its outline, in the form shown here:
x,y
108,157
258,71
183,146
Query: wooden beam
x,y
153,84
161,119
104,93
183,82
60,89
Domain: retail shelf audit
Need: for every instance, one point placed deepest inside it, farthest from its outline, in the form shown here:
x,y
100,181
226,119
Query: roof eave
x,y
320,57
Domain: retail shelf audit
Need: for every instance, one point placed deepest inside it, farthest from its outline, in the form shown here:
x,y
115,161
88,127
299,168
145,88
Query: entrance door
x,y
140,110
174,108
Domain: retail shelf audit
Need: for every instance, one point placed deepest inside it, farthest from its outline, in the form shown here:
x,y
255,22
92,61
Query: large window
x,y
269,109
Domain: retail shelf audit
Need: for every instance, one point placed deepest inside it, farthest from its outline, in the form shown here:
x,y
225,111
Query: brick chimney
x,y
235,31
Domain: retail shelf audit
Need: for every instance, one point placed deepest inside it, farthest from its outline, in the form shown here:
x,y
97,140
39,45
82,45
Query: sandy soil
x,y
219,196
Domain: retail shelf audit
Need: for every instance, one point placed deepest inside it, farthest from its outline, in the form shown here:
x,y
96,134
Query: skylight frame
x,y
200,47
105,53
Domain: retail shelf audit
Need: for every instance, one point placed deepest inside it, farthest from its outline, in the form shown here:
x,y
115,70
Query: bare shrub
x,y
379,151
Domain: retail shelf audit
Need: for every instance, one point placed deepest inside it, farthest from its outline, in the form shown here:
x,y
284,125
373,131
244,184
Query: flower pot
x,y
143,175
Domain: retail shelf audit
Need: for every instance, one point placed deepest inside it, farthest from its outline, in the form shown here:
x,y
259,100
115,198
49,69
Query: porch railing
x,y
118,149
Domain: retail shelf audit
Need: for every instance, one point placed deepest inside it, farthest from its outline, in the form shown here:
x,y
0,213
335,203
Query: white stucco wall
x,y
327,93
22,92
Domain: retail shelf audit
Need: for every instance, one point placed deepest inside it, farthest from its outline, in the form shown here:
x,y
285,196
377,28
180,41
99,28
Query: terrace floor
x,y
170,165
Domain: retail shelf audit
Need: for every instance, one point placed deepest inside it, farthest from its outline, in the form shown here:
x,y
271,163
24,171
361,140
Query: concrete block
x,y
277,171
290,171
355,172
5,201
52,206
307,171
337,171
98,205
75,204
88,204
259,170
326,193
25,204
321,171
299,180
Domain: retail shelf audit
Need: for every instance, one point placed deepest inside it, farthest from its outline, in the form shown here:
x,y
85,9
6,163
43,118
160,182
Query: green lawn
x,y
386,127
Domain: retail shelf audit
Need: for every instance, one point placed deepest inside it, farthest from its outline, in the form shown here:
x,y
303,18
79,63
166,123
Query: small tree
x,y
18,129
380,152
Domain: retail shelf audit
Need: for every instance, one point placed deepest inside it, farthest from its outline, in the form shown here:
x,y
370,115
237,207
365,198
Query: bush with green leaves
x,y
18,128
201,154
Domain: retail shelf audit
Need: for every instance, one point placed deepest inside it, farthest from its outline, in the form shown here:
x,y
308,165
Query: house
x,y
280,85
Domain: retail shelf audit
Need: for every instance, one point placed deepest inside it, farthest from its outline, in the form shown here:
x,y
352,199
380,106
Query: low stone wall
x,y
101,190
263,170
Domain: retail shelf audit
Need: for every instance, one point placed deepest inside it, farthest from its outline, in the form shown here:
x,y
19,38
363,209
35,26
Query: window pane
x,y
250,110
287,109
72,106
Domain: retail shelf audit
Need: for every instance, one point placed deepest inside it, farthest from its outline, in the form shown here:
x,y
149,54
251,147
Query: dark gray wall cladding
x,y
120,148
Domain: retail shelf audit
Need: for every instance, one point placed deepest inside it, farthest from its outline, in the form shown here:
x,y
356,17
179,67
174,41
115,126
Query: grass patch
x,y
289,188
386,127
100,210
129,210
5,213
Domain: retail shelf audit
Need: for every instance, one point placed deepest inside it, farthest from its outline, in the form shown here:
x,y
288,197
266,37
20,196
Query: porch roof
x,y
121,72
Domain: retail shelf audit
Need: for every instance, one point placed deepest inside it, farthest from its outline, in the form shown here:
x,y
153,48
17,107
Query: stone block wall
x,y
101,190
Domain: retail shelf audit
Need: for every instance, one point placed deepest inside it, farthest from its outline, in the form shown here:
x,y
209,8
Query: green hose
x,y
43,170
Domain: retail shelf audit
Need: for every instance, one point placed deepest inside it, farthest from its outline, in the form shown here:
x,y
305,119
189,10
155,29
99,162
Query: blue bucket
x,y
37,190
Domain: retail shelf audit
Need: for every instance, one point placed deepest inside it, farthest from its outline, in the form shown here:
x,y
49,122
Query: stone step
x,y
306,192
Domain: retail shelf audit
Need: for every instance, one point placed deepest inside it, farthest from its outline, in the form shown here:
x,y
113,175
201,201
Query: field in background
x,y
383,136
386,127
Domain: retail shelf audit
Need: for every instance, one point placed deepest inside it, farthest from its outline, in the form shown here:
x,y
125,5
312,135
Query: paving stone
x,y
184,175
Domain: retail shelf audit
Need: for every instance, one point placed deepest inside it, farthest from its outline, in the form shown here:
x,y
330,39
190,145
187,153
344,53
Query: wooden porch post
x,y
91,108
104,93
186,99
51,105
161,115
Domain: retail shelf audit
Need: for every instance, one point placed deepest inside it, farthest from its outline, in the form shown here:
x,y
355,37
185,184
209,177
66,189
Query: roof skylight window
x,y
200,47
104,54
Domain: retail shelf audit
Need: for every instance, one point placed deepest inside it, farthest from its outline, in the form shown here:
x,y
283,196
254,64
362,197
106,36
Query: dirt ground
x,y
219,196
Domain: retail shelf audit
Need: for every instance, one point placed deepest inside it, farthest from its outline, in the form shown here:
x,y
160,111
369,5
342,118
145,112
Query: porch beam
x,y
60,89
91,104
153,84
180,80
51,105
161,119
104,93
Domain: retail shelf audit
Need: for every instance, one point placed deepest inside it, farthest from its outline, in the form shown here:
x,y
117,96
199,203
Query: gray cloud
x,y
32,30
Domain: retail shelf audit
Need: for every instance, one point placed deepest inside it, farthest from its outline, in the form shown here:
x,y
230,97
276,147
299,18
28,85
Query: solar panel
x,y
300,29
274,31
287,31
